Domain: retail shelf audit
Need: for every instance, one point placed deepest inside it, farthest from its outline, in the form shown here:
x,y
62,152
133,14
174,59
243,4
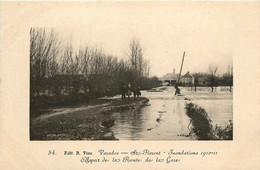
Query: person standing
x,y
123,91
129,90
138,92
177,90
134,91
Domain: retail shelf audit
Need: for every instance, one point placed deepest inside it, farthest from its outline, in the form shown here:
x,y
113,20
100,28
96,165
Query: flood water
x,y
165,117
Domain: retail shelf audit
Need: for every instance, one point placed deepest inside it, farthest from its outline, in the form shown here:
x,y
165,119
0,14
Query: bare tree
x,y
146,68
67,69
213,76
196,80
135,54
228,77
85,65
44,49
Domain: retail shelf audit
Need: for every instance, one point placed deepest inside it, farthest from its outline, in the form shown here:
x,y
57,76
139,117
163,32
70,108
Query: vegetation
x,y
213,79
225,133
212,76
227,78
202,127
57,71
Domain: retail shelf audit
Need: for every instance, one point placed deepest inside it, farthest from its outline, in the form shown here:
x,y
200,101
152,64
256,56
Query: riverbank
x,y
86,122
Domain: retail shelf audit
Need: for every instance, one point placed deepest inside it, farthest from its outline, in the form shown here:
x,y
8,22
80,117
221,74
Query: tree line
x,y
214,79
57,69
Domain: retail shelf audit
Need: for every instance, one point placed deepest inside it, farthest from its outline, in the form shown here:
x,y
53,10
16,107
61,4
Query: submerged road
x,y
165,117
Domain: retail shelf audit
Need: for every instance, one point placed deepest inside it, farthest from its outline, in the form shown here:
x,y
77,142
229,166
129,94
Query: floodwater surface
x,y
165,118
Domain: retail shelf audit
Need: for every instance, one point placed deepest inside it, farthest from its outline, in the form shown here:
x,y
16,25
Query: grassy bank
x,y
88,122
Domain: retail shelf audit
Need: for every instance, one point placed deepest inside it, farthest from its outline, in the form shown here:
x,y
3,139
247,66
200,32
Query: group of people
x,y
128,90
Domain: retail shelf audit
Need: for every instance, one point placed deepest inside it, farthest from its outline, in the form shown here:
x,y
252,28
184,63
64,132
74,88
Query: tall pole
x,y
181,67
180,71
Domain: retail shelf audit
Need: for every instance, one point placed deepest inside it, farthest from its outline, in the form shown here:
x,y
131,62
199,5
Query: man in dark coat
x,y
123,91
177,91
134,90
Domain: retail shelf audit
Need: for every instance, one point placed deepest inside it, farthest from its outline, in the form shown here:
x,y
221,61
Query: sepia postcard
x,y
129,85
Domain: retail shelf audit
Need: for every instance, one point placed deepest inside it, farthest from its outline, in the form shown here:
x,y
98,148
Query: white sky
x,y
205,33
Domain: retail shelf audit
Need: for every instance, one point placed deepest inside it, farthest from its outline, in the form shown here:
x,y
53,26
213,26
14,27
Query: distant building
x,y
170,78
203,81
187,79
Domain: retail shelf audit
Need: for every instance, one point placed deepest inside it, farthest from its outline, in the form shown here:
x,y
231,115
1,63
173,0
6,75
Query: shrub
x,y
201,124
225,133
202,127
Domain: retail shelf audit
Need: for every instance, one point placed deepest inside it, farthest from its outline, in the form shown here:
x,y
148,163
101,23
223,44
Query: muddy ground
x,y
86,122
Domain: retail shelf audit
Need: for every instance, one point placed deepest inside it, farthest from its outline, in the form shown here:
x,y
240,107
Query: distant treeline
x,y
213,79
58,70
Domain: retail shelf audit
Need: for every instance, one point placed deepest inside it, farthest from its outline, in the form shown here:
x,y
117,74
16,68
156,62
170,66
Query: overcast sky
x,y
165,32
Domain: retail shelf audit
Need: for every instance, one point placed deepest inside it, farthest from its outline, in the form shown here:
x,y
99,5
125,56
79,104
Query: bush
x,y
225,133
202,127
201,124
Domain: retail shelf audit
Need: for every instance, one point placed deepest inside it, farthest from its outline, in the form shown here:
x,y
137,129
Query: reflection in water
x,y
129,123
166,119
152,122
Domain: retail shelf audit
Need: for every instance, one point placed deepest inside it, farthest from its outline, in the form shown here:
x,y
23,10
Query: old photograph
x,y
160,75
129,85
